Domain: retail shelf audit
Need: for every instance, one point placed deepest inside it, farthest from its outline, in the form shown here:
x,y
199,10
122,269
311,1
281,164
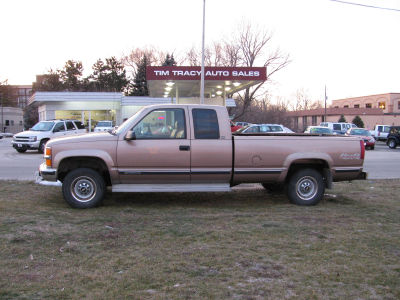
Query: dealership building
x,y
170,84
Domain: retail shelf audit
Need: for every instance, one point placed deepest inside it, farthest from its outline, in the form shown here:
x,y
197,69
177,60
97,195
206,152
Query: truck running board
x,y
155,188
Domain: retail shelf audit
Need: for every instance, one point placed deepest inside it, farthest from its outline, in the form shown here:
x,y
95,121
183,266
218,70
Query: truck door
x,y
160,152
211,147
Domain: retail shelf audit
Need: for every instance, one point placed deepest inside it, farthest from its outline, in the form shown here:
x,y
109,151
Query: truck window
x,y
168,123
70,125
205,123
59,127
337,127
79,125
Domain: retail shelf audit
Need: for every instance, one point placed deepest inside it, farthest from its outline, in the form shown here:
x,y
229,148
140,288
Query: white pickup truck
x,y
380,132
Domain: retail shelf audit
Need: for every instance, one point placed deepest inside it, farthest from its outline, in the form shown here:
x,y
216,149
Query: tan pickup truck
x,y
190,148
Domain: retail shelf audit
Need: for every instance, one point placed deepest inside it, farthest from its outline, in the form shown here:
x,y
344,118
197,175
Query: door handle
x,y
184,148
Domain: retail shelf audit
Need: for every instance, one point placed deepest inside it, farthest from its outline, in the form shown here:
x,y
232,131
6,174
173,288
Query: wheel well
x,y
94,163
318,164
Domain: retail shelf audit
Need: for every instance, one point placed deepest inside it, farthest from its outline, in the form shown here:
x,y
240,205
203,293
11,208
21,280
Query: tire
x,y
306,187
42,145
372,147
22,150
83,188
273,187
392,144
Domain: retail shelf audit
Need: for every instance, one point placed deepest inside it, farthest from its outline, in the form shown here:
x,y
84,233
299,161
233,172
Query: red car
x,y
369,140
234,127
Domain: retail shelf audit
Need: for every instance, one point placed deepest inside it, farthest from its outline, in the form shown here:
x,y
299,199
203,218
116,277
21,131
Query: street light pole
x,y
325,105
202,56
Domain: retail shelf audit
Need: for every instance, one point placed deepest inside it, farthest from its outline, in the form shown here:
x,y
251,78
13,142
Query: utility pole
x,y
202,56
325,105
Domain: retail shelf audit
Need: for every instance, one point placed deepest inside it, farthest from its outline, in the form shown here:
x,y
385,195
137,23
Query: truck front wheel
x,y
306,187
83,188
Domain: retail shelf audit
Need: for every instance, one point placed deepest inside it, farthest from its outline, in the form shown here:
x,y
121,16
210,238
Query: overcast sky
x,y
354,50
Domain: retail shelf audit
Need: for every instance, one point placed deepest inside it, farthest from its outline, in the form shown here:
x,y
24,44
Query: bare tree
x,y
251,47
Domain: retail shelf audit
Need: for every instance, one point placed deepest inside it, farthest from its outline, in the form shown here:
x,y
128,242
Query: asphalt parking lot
x,y
381,163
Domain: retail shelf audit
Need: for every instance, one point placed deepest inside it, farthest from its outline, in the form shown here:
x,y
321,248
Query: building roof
x,y
335,111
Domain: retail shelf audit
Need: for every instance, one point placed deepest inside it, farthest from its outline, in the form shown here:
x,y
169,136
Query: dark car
x,y
393,138
365,134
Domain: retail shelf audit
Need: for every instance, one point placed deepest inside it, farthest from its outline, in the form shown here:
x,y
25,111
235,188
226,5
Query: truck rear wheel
x,y
306,187
392,144
83,188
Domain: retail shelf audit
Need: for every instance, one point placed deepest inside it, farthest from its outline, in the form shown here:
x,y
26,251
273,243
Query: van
x,y
337,127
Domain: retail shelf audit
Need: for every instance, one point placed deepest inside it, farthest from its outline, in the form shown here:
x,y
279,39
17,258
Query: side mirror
x,y
130,136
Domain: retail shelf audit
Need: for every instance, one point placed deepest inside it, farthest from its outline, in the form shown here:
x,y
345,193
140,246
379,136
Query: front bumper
x,y
25,145
46,174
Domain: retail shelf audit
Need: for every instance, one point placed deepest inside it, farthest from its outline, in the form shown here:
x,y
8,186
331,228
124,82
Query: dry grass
x,y
244,245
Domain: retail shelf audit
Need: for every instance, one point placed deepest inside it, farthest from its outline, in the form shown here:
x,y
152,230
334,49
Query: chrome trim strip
x,y
243,171
155,188
347,169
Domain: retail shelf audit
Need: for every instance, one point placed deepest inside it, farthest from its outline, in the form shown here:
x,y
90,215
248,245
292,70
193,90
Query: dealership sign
x,y
211,73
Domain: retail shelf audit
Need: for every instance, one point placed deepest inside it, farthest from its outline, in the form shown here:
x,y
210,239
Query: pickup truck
x,y
190,148
380,132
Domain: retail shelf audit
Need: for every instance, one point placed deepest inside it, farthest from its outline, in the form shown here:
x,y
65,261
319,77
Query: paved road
x,y
381,163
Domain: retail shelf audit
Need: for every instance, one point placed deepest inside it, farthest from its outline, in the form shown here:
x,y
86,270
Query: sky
x,y
352,50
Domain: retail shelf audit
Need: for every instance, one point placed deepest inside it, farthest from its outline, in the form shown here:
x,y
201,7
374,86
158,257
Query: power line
x,y
365,5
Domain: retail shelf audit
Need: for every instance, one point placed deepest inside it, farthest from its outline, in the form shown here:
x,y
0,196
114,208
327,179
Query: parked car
x,y
36,137
393,138
369,140
318,130
380,132
103,126
234,126
337,127
262,128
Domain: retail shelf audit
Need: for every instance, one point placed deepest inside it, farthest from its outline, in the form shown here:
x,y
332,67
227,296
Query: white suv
x,y
38,135
103,126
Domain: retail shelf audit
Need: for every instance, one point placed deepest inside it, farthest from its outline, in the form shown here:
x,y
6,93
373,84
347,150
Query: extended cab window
x,y
205,123
168,123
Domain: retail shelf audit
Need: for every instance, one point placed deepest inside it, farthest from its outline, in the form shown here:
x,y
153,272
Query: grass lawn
x,y
247,244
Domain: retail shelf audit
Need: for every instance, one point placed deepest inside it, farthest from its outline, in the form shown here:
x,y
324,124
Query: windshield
x,y
104,124
43,126
363,132
320,130
124,126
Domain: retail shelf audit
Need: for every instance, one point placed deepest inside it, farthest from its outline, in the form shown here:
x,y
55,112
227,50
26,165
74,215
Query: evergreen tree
x,y
71,75
140,82
169,61
109,76
358,122
342,119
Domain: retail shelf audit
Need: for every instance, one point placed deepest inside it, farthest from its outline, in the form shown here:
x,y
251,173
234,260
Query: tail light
x,y
362,154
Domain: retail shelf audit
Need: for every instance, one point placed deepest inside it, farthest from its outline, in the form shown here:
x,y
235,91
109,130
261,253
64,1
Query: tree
x,y
140,83
342,119
6,94
48,82
249,48
169,61
71,75
108,76
358,122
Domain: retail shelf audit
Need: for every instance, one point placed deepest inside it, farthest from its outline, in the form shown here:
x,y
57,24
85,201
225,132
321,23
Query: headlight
x,y
32,138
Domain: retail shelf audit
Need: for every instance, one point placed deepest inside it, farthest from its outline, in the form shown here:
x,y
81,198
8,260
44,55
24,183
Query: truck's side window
x,y
168,123
205,123
70,125
59,127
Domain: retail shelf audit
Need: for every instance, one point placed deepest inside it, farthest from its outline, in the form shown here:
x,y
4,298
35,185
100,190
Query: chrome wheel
x,y
306,188
83,189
